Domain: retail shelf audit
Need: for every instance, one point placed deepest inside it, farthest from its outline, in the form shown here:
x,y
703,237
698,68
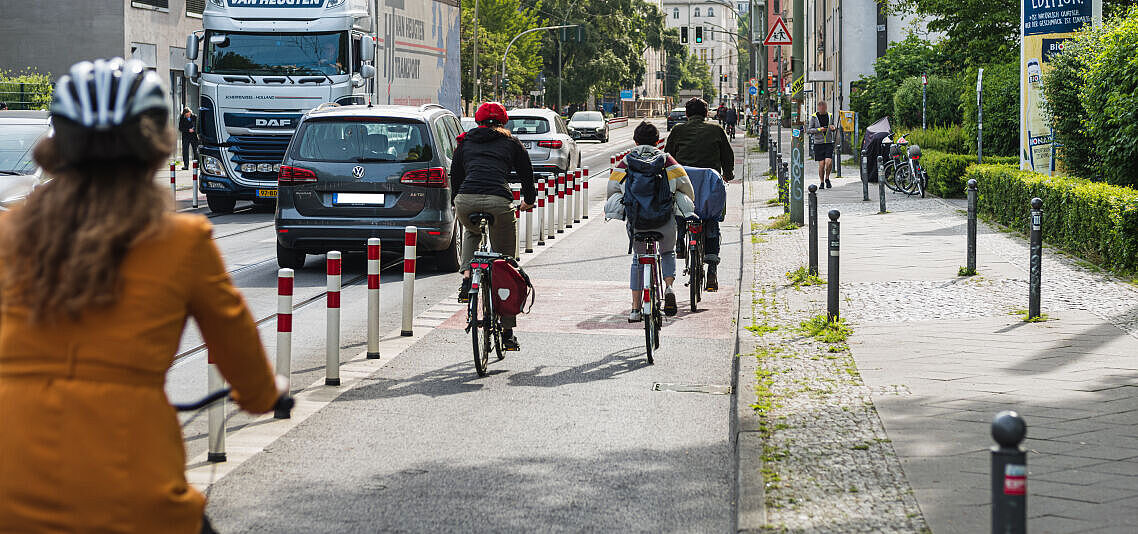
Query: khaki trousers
x,y
503,233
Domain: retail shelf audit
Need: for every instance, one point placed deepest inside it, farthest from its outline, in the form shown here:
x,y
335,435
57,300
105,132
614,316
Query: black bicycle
x,y
480,314
651,309
694,267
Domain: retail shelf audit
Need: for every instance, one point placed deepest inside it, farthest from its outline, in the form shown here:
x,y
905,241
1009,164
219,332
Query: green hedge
x,y
951,139
1093,220
947,171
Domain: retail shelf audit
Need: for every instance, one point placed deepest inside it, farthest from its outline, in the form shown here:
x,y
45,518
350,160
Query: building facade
x,y
709,30
51,35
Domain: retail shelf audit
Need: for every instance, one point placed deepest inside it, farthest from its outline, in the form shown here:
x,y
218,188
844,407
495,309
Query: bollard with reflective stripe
x,y
215,416
1035,266
541,212
812,223
173,184
970,260
1009,474
529,229
577,196
332,339
864,177
832,270
551,208
881,183
569,200
285,279
585,194
195,204
373,249
516,189
561,203
410,238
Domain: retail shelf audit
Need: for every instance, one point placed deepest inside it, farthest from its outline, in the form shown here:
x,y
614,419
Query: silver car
x,y
19,133
546,138
589,125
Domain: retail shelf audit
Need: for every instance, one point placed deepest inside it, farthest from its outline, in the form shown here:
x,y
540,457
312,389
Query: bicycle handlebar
x,y
282,408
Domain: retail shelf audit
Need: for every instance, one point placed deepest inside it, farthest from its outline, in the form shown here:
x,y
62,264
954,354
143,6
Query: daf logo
x,y
358,171
274,122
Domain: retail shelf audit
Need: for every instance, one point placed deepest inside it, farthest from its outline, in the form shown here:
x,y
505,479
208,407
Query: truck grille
x,y
264,151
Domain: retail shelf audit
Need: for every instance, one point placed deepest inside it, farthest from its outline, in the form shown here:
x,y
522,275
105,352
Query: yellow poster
x,y
847,120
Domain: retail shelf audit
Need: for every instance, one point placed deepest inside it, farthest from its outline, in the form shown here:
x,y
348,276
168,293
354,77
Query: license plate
x,y
366,199
267,193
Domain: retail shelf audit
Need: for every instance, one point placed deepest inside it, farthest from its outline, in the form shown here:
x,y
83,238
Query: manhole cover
x,y
693,388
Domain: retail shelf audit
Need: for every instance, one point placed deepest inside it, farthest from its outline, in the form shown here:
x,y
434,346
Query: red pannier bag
x,y
510,286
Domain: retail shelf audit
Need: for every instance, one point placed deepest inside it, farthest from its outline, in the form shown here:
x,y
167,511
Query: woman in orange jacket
x,y
97,279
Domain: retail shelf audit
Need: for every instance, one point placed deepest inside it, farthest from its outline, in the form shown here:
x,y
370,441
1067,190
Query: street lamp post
x,y
501,90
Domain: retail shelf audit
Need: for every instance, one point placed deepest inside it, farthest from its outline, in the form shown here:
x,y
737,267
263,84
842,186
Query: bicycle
x,y
481,315
651,308
730,129
694,266
903,172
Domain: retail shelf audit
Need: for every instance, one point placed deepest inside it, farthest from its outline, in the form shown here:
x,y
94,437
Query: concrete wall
x,y
51,35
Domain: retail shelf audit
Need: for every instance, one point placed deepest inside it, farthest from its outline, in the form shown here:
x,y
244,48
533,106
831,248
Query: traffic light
x,y
698,34
684,34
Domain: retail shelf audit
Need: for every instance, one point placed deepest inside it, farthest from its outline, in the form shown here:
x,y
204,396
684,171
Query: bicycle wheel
x,y
890,176
489,333
649,332
695,276
476,320
906,181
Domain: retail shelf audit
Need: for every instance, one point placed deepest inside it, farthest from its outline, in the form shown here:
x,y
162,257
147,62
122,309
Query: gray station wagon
x,y
355,172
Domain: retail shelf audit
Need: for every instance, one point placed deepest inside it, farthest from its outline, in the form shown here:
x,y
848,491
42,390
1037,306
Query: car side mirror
x,y
367,48
367,72
357,81
191,70
192,45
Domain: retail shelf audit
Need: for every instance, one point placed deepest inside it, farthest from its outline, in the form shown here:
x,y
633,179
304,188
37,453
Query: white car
x,y
546,138
589,125
468,124
19,133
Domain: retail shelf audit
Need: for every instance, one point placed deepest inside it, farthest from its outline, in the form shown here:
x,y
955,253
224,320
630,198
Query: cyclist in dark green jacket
x,y
698,143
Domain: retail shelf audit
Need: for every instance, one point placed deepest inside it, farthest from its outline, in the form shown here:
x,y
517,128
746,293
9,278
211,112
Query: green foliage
x,y
821,328
903,59
943,102
1096,221
1064,107
1001,109
1110,92
947,171
976,31
802,277
26,89
951,139
499,21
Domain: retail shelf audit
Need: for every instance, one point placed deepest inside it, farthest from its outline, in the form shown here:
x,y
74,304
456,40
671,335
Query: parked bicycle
x,y
480,314
694,266
652,309
903,172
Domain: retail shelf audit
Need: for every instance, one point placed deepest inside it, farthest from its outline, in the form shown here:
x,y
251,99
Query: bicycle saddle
x,y
477,217
647,236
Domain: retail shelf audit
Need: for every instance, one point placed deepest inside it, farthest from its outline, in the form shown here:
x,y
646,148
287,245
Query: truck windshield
x,y
276,53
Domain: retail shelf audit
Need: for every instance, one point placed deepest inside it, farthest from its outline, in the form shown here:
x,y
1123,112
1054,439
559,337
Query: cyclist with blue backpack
x,y
648,189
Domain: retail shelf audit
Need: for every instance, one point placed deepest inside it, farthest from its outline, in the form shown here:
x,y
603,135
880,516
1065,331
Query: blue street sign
x,y
753,90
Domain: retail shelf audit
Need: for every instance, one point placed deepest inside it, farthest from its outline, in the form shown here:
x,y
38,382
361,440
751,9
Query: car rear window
x,y
356,140
528,125
16,144
678,114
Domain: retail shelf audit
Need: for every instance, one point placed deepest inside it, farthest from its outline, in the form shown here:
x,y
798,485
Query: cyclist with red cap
x,y
480,182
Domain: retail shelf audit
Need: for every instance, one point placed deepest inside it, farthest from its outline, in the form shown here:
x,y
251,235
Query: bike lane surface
x,y
568,434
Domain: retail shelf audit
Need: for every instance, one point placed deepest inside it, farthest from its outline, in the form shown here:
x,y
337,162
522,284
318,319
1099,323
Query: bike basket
x,y
510,287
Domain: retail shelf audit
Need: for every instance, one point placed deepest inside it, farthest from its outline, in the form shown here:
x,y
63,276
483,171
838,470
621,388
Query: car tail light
x,y
295,176
433,177
555,144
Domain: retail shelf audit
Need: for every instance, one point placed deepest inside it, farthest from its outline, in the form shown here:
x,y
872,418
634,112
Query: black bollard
x,y
1009,474
881,182
813,222
864,177
832,269
972,196
1036,273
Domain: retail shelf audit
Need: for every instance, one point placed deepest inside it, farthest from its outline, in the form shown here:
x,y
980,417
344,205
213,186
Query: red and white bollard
x,y
529,230
332,340
373,248
551,208
174,184
215,416
540,212
585,194
410,238
569,200
577,196
195,204
612,160
285,278
516,189
561,203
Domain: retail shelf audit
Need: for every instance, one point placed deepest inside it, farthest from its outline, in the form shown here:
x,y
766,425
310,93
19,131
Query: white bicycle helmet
x,y
107,93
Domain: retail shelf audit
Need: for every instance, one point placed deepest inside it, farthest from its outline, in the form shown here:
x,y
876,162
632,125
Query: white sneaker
x,y
635,316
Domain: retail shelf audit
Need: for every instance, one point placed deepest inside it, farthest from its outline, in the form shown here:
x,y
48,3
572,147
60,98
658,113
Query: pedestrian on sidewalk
x,y
635,178
479,181
822,134
98,278
698,143
188,126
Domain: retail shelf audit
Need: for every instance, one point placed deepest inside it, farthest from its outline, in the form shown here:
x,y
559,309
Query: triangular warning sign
x,y
778,35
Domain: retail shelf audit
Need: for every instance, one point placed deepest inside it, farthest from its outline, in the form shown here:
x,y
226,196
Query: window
x,y
365,140
195,7
703,54
711,11
160,5
696,12
675,12
444,138
528,125
262,54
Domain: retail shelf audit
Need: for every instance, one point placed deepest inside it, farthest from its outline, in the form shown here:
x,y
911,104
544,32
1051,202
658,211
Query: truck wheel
x,y
220,204
446,260
290,258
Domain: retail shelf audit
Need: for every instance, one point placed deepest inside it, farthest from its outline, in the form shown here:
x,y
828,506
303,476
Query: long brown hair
x,y
65,245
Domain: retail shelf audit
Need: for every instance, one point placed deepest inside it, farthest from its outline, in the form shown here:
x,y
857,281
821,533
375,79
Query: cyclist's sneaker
x,y
712,279
670,302
464,291
635,316
510,341
828,183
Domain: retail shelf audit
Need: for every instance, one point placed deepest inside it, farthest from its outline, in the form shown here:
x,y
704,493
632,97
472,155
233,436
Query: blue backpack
x,y
648,196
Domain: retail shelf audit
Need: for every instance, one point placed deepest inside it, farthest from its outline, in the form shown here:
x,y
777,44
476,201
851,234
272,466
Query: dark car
x,y
355,172
677,116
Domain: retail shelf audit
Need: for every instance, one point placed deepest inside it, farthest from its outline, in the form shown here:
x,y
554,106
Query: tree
x,y
977,31
1063,106
909,57
499,22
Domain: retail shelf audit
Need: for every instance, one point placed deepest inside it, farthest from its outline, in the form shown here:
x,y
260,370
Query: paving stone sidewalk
x,y
940,354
